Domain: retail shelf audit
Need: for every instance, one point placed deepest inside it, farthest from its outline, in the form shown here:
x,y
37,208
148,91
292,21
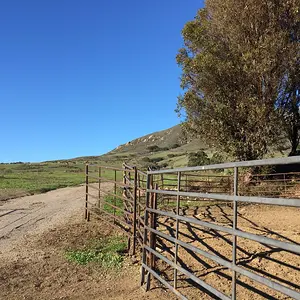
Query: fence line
x,y
143,194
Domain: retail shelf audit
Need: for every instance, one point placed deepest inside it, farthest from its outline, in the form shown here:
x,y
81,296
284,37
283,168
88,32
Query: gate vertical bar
x,y
177,229
154,225
86,190
99,187
139,201
186,183
145,230
134,210
284,185
234,225
115,198
124,191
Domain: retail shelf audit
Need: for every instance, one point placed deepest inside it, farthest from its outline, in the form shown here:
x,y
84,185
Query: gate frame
x,y
235,198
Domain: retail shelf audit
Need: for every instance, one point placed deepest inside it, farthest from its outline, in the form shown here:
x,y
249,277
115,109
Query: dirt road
x,y
35,214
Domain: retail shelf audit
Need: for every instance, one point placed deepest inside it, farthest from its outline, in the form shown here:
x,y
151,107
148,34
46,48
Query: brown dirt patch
x,y
41,271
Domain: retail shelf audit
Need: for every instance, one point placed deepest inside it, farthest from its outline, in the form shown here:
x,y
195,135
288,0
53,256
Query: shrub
x,y
216,158
163,165
146,159
174,146
198,159
156,159
153,148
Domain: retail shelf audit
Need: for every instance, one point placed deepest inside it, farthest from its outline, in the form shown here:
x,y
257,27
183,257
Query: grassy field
x,y
28,178
19,179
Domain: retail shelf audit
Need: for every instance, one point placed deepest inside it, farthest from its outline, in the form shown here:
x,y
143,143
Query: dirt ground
x,y
280,223
36,231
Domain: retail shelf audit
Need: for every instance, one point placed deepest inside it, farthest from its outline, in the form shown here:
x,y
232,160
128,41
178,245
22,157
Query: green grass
x,y
116,202
32,178
107,252
22,179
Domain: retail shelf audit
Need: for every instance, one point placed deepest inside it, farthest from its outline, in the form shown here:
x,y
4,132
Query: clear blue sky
x,y
72,69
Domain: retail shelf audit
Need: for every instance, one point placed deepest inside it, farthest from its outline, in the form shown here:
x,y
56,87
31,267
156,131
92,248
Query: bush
x,y
199,158
146,159
153,148
174,146
156,159
216,158
163,165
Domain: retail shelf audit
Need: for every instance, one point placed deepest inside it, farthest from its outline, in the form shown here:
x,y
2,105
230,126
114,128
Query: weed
x,y
107,252
113,201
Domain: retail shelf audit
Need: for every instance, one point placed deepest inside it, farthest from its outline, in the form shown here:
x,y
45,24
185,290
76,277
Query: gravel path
x,y
35,214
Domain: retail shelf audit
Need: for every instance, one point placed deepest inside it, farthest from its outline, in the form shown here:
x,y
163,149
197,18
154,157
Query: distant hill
x,y
166,148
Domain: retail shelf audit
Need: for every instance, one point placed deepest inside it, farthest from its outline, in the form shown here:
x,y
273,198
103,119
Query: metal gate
x,y
177,192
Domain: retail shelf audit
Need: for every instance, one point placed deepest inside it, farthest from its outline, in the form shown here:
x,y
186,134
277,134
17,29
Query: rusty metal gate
x,y
152,208
152,254
122,203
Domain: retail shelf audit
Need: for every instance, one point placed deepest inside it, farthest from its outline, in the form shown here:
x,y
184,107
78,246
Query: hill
x,y
163,149
166,148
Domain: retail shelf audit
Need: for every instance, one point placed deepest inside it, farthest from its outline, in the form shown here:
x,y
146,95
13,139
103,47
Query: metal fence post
x,y
134,209
145,238
284,185
99,187
177,229
234,225
186,183
86,190
154,205
162,181
115,198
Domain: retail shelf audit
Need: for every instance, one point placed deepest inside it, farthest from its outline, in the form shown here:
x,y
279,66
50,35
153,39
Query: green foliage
x,y
164,148
22,179
116,202
146,159
216,158
153,148
156,159
163,165
108,253
236,61
174,146
199,158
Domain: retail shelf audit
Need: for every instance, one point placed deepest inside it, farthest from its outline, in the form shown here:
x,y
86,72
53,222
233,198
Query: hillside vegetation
x,y
164,149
